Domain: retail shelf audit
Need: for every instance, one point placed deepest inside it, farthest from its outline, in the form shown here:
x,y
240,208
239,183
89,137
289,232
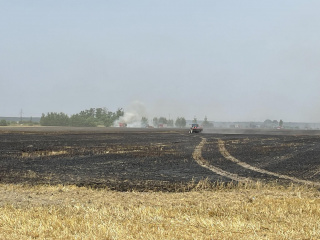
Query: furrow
x,y
224,152
197,156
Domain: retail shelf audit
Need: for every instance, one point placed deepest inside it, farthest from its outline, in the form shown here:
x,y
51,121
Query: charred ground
x,y
135,159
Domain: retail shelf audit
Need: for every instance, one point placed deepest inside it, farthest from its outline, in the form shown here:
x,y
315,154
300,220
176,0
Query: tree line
x,y
162,121
87,118
180,122
94,117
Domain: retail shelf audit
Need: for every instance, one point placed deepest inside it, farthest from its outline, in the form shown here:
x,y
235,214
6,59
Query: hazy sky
x,y
227,60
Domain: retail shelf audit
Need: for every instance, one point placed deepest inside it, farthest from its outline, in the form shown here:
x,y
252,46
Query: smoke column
x,y
132,116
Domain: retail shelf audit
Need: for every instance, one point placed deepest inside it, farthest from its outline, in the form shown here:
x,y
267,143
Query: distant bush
x,y
3,123
181,122
77,120
54,119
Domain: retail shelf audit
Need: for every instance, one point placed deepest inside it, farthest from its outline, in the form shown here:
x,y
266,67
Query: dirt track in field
x,y
155,159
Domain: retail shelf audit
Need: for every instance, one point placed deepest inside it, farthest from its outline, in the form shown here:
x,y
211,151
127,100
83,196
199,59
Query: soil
x,y
126,159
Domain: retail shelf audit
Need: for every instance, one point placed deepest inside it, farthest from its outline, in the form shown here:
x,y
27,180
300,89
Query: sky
x,y
228,60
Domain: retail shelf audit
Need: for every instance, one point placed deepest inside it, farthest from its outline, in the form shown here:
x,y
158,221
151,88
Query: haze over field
x,y
227,60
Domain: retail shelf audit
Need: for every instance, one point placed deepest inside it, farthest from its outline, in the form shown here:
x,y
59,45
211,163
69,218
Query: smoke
x,y
133,114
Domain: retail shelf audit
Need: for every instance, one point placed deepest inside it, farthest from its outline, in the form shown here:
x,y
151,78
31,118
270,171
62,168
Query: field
x,y
158,184
158,160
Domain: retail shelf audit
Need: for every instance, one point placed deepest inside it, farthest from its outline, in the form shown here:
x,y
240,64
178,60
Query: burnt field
x,y
153,159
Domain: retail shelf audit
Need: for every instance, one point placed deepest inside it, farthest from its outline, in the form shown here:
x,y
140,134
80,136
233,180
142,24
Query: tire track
x,y
197,156
224,152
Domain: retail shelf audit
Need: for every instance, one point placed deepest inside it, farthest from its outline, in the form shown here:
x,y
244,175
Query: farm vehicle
x,y
195,128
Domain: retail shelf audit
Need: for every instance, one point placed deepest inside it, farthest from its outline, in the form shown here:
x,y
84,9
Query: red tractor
x,y
121,124
195,128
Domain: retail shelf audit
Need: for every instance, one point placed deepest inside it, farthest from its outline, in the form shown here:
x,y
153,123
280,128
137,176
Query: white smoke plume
x,y
133,114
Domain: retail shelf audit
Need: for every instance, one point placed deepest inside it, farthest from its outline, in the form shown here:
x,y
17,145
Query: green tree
x,y
144,122
100,113
87,118
170,123
281,123
155,122
267,123
163,120
119,113
3,123
180,122
76,120
111,117
54,119
206,123
82,120
194,120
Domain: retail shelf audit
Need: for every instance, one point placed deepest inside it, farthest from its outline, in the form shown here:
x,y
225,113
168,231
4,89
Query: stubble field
x,y
168,184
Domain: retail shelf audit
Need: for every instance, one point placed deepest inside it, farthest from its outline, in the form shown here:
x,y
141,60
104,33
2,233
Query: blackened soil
x,y
143,160
293,155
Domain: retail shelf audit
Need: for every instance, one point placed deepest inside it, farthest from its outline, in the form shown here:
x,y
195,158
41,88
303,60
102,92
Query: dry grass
x,y
150,150
42,154
253,211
